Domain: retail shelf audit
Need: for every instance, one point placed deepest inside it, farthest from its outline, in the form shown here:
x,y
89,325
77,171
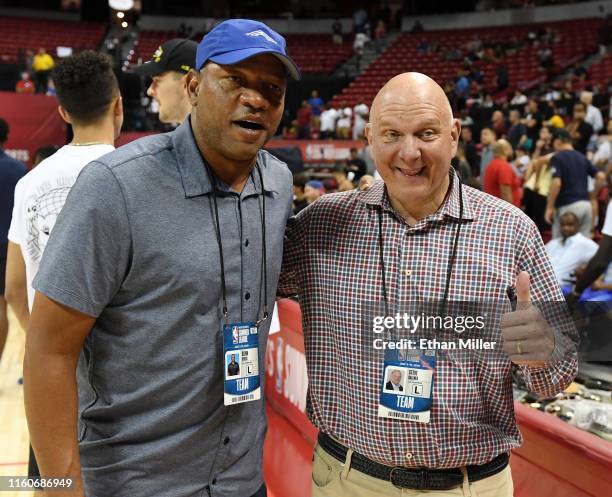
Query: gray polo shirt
x,y
135,247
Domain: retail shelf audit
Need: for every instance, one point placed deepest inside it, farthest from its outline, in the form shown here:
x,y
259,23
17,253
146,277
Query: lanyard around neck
x,y
449,265
213,189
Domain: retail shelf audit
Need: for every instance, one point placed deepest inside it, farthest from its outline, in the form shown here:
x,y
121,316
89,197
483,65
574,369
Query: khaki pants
x,y
331,478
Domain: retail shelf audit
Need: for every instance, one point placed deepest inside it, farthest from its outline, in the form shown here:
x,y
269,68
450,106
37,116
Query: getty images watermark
x,y
384,327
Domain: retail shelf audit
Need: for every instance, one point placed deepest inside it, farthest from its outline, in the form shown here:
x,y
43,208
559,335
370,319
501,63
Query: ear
x,y
192,84
63,114
455,134
118,106
368,133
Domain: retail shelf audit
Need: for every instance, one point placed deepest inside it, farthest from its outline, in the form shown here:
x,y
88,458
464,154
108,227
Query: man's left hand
x,y
528,338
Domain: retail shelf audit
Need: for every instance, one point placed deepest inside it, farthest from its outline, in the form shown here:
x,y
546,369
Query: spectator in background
x,y
337,32
579,130
460,164
517,134
329,116
360,17
299,195
313,190
356,164
462,88
342,181
533,119
343,124
316,106
521,160
603,154
42,65
359,45
569,187
519,98
500,179
502,77
593,114
304,117
379,33
25,84
51,88
487,137
538,179
567,98
361,113
498,123
471,154
570,250
417,27
11,171
168,68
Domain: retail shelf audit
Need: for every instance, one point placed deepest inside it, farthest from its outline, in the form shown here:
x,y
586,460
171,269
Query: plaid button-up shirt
x,y
331,261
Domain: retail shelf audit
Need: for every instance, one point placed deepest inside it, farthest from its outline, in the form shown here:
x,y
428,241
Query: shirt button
x,y
226,440
409,455
408,272
246,242
247,296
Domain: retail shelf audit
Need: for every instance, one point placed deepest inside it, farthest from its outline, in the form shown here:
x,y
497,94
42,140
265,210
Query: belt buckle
x,y
419,474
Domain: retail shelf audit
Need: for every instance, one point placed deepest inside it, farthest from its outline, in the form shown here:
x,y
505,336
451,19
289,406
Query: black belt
x,y
418,479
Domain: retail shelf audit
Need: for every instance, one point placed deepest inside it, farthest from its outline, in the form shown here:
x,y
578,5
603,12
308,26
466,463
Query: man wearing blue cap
x,y
161,267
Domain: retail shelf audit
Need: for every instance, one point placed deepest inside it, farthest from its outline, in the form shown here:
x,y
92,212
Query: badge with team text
x,y
407,385
241,363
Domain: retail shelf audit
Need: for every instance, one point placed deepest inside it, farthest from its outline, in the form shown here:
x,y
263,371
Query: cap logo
x,y
259,32
158,53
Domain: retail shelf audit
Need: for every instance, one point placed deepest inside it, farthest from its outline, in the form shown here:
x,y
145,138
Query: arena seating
x,y
314,53
578,39
601,71
31,34
147,43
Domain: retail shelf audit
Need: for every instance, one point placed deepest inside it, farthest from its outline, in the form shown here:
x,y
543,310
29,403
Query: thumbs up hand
x,y
528,338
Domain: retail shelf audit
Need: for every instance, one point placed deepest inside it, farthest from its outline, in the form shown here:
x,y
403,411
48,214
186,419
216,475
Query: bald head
x,y
413,137
412,88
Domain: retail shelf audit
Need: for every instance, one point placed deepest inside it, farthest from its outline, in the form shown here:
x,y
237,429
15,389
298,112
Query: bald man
x,y
419,236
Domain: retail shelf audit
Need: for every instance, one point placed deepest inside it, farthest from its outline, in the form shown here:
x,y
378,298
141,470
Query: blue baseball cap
x,y
236,40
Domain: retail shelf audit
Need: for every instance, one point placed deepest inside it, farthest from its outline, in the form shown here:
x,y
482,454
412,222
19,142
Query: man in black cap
x,y
169,67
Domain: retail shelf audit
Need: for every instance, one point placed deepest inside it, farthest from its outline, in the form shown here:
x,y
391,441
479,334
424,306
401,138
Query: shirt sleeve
x,y
555,167
294,252
89,250
506,176
17,227
560,371
591,169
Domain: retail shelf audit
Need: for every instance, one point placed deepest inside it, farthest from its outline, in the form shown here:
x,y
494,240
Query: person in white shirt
x,y
89,100
602,156
361,112
593,114
571,250
343,126
329,116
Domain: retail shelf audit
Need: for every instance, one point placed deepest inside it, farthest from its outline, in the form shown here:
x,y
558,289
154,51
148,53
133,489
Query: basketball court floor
x,y
14,440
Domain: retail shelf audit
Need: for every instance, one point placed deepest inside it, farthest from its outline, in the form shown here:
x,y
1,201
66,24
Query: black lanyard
x,y
219,242
451,259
